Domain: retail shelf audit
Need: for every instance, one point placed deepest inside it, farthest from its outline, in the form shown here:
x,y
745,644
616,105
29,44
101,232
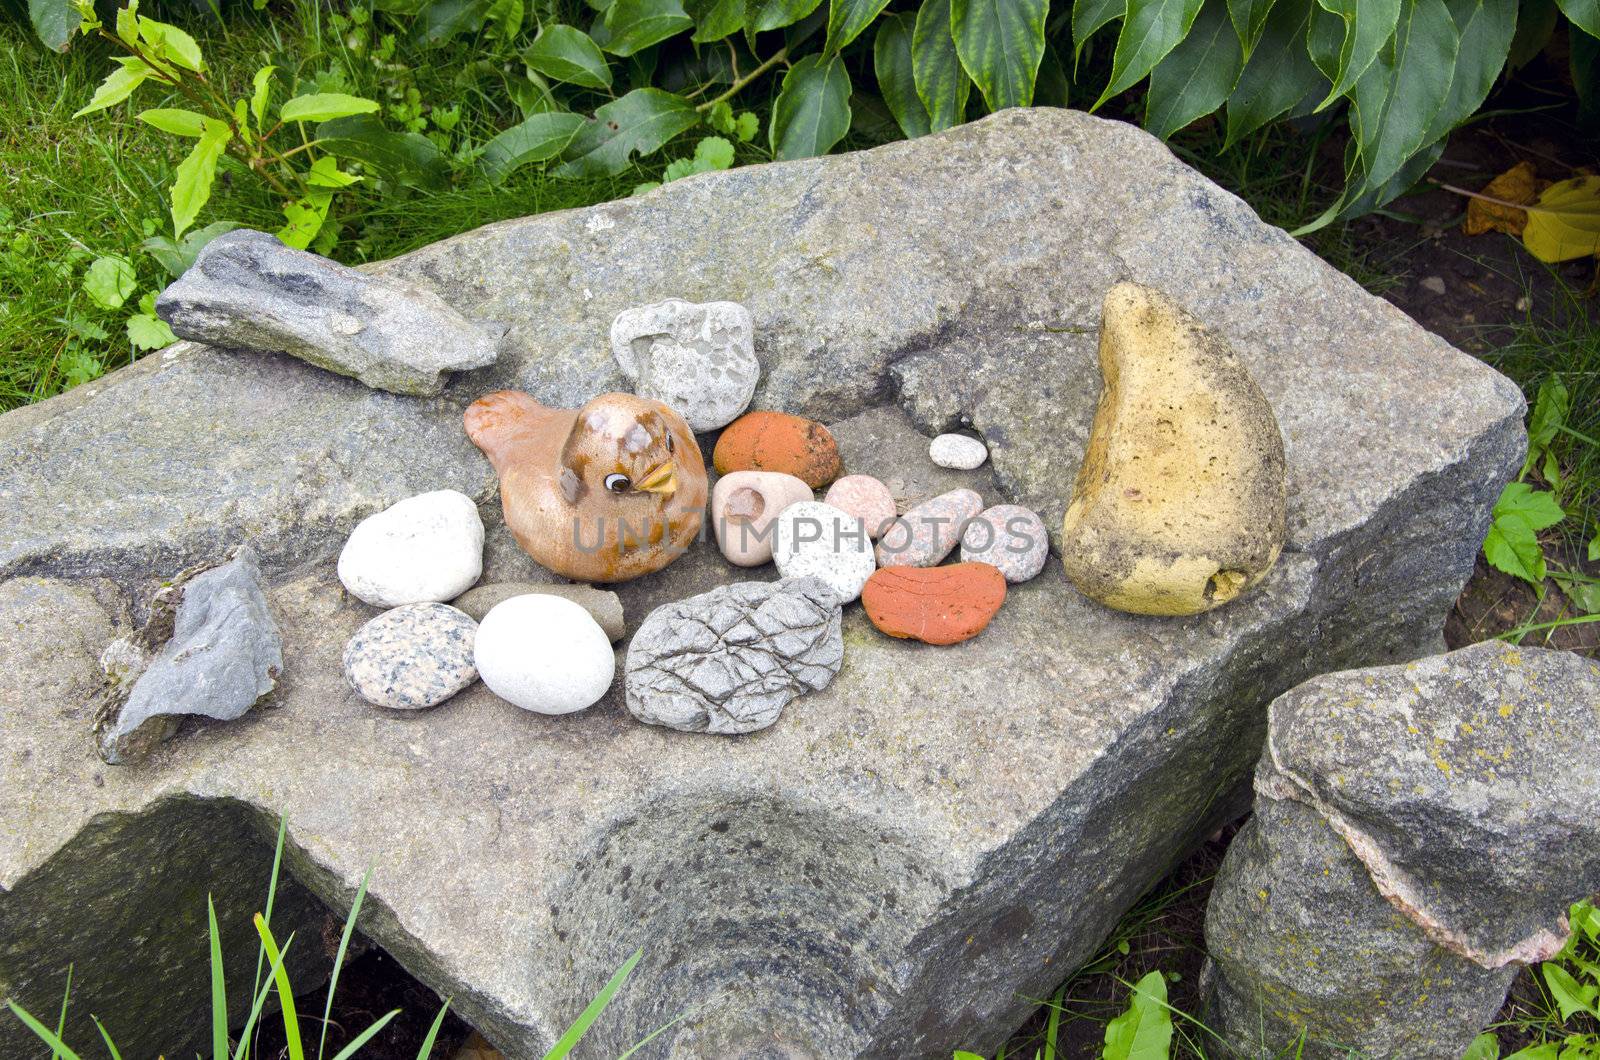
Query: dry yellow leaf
x,y
1518,186
1565,222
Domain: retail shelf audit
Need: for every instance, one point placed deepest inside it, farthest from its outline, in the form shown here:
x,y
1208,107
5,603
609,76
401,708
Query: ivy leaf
x,y
891,60
642,121
406,158
538,139
176,121
325,106
1585,14
942,84
1512,544
762,15
1150,30
54,22
109,281
258,98
1565,221
118,85
191,186
1367,26
1278,74
566,53
146,331
1000,43
1394,103
812,112
1249,18
1144,1031
846,20
635,25
715,19
1195,77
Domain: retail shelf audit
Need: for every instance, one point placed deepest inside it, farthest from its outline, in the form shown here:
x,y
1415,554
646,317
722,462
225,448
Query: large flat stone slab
x,y
904,859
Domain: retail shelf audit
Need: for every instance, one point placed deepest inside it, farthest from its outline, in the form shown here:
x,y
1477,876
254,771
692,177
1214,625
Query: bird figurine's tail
x,y
501,422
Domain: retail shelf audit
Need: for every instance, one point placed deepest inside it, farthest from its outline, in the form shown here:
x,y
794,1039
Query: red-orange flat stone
x,y
777,441
936,605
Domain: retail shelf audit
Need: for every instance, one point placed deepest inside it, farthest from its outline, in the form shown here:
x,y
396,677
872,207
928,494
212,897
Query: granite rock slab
x,y
828,885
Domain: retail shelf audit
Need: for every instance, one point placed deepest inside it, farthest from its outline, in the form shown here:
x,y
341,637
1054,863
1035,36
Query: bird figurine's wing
x,y
506,423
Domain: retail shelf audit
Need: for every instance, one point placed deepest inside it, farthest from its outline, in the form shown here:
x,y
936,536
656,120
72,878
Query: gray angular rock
x,y
698,358
413,657
730,660
248,291
1420,831
602,604
210,648
914,861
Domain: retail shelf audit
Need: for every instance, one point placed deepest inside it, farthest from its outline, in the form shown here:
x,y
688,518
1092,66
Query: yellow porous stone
x,y
1179,505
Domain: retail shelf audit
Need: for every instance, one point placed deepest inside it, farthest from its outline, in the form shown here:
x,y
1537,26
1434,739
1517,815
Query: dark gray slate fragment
x,y
1420,832
730,660
412,657
248,291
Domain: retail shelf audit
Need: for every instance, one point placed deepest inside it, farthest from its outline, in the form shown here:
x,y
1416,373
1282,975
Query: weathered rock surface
x,y
698,358
730,660
247,291
210,649
896,843
1420,831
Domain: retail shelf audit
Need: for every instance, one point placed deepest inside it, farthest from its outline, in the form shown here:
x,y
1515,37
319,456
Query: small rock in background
x,y
414,657
960,451
603,605
866,498
698,358
210,647
744,506
936,605
246,290
1433,284
929,532
1009,537
1420,831
730,660
424,549
545,654
816,540
777,441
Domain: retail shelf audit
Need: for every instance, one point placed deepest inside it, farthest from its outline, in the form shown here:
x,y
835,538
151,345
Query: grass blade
x,y
243,1050
105,1035
219,989
291,1019
433,1032
365,1036
642,1042
585,1019
1052,1027
272,891
58,1048
338,960
61,1023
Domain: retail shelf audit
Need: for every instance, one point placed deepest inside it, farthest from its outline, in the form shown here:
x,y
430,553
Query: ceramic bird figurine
x,y
605,493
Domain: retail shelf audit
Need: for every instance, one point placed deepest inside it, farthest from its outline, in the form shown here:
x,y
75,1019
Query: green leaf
x,y
406,158
54,22
258,98
1150,30
637,24
538,139
304,219
712,153
1279,73
1549,415
1051,88
325,106
146,331
746,125
118,85
109,281
1585,14
1512,544
1395,101
508,15
1542,1051
812,112
1249,18
175,120
891,60
847,18
191,185
172,44
1536,22
280,977
1088,16
1570,995
365,1036
942,84
1000,43
962,1054
1196,76
177,255
640,122
566,53
43,1033
1486,28
762,15
1367,26
1484,1047
325,173
443,20
219,988
581,1025
1144,1031
715,19
425,1050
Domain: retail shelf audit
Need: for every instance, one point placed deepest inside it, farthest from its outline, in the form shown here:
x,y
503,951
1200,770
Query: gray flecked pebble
x,y
603,605
1010,538
960,451
414,657
929,532
697,357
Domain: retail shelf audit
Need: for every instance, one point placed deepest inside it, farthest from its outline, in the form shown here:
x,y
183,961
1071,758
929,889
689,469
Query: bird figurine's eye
x,y
618,483
669,443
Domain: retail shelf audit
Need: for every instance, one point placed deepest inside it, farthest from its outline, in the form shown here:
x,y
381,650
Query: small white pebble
x,y
959,451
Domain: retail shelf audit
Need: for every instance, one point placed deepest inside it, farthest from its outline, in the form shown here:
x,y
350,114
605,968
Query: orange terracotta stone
x,y
937,605
777,441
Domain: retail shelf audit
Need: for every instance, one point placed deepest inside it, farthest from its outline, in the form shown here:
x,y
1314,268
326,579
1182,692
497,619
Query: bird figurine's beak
x,y
662,479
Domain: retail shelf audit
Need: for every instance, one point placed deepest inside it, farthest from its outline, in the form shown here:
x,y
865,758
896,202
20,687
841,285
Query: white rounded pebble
x,y
816,540
960,451
424,549
544,654
1010,538
413,657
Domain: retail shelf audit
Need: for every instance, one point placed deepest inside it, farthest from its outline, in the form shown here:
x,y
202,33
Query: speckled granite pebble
x,y
930,531
960,451
413,657
1010,538
866,498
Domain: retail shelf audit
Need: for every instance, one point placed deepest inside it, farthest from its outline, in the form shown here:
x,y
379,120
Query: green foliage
x,y
1572,981
1512,544
1144,1031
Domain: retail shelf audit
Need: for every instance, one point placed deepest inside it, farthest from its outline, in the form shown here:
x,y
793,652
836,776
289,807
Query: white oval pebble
x,y
1010,538
816,540
544,654
413,657
424,549
959,451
